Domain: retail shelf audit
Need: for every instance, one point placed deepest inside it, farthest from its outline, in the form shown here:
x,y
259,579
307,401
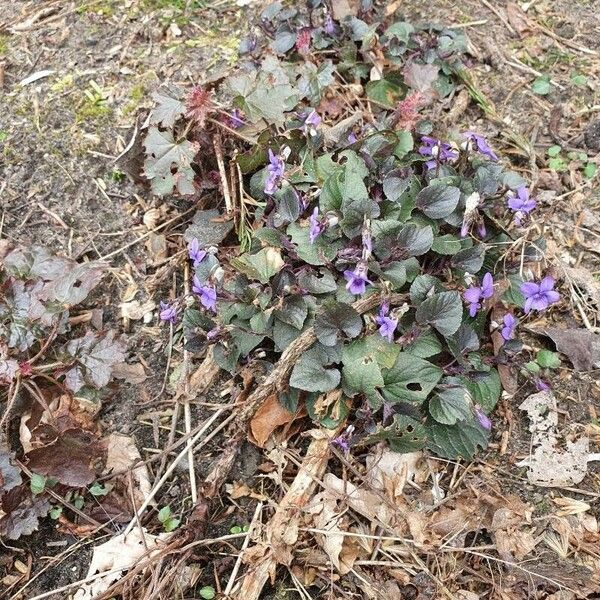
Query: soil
x,y
98,63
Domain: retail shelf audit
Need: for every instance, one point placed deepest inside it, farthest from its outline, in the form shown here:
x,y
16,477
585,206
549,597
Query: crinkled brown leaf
x,y
97,355
267,419
20,512
10,474
581,346
74,458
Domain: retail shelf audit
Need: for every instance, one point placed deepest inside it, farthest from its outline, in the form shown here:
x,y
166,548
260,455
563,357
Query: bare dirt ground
x,y
75,76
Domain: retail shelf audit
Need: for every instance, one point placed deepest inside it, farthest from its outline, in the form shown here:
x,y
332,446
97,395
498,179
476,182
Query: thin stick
x,y
158,485
499,15
187,415
238,562
223,173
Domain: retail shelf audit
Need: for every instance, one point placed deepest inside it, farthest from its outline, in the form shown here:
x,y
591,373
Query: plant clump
x,y
357,222
56,373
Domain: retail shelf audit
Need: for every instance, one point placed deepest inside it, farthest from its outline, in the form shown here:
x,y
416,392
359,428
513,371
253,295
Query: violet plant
x,y
410,222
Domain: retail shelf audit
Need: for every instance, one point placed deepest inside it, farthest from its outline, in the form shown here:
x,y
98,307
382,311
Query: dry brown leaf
x,y
367,503
205,374
582,347
570,506
389,471
267,419
119,553
237,490
517,18
282,531
122,454
157,247
341,549
344,8
133,374
134,310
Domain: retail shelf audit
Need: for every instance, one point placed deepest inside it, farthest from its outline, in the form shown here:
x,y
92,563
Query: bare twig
x,y
223,173
158,485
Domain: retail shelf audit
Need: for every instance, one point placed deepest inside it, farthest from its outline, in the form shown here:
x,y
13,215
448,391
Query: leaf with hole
x,y
411,379
309,373
456,441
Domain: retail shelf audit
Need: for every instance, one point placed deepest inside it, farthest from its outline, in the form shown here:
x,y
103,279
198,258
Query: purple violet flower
x,y
168,312
475,294
206,294
541,385
539,296
352,138
520,203
387,325
196,254
311,122
483,419
510,324
441,152
235,120
316,228
275,169
357,279
329,25
480,143
342,443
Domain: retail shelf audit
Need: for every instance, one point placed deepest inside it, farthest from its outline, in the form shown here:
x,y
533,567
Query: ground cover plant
x,y
360,230
340,292
55,373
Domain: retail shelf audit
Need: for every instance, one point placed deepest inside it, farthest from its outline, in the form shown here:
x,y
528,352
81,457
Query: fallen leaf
x,y
205,374
553,462
134,310
267,419
344,8
326,516
582,347
389,471
72,458
570,506
157,247
122,453
420,77
36,77
119,554
517,18
60,440
133,374
20,512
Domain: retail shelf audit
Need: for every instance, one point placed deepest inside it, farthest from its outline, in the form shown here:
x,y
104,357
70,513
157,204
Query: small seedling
x,y
207,592
547,359
37,483
239,529
578,79
541,85
98,489
169,522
